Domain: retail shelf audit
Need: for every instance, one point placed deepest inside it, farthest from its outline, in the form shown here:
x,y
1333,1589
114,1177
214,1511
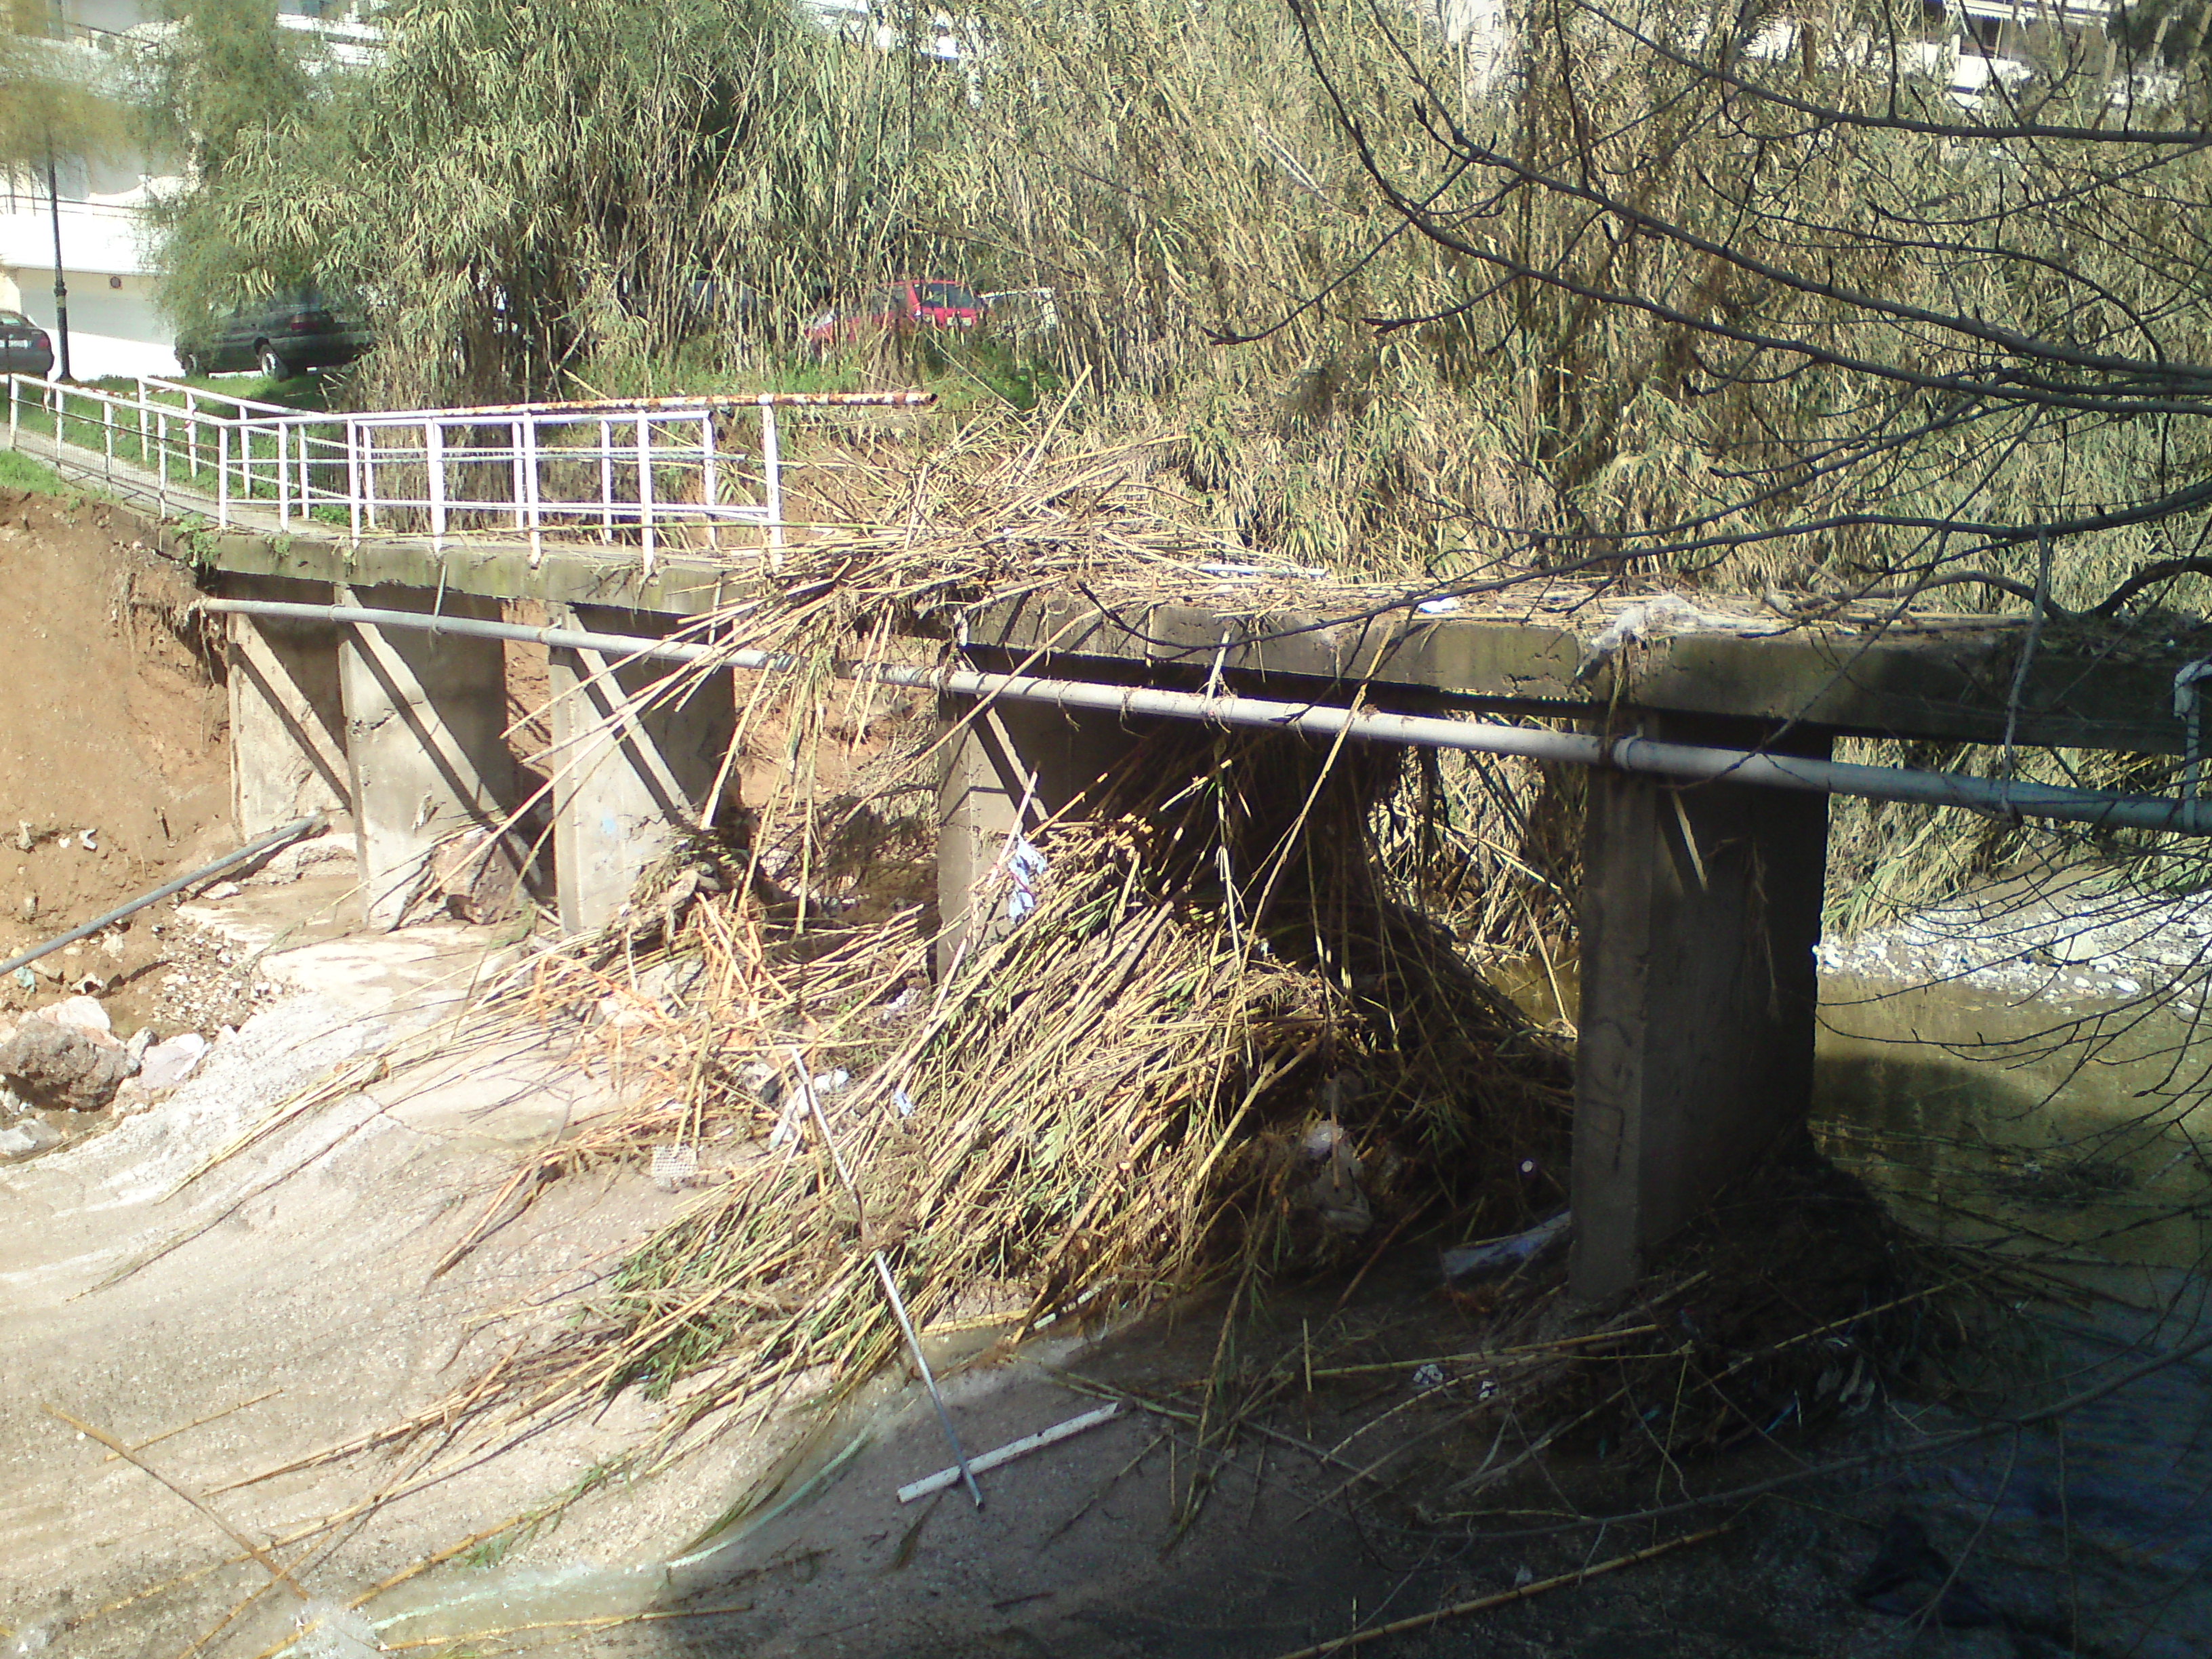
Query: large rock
x,y
60,1066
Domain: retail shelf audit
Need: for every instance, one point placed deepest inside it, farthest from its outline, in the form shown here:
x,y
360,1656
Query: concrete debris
x,y
224,890
1335,1191
63,1066
80,1013
141,1040
26,1140
620,1010
669,983
165,1065
1495,1254
475,876
327,854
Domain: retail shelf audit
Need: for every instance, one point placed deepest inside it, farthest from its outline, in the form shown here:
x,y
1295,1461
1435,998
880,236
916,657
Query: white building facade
x,y
106,261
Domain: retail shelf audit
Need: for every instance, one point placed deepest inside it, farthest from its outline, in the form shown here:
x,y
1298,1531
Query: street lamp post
x,y
61,287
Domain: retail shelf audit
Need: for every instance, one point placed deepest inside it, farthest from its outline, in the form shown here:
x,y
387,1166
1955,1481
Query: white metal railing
x,y
645,471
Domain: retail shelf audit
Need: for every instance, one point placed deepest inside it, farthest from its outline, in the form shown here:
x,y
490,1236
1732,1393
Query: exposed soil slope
x,y
111,720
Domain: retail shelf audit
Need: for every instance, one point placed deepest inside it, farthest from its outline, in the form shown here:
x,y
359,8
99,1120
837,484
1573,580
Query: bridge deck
x,y
1924,676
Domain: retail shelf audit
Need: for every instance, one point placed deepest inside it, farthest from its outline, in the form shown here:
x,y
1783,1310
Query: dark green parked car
x,y
283,336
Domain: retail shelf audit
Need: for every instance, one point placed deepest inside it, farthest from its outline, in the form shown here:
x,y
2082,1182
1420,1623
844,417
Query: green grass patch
x,y
20,471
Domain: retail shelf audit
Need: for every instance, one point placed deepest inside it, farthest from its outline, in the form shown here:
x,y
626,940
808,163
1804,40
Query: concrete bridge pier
x,y
1701,908
426,740
287,755
630,769
1000,755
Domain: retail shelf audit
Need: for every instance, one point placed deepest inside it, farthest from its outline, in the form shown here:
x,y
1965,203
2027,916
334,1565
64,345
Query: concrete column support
x,y
629,768
426,724
1701,908
1000,756
288,756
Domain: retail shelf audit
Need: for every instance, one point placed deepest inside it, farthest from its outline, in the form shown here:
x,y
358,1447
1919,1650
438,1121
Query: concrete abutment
x,y
636,756
1701,909
1007,767
425,741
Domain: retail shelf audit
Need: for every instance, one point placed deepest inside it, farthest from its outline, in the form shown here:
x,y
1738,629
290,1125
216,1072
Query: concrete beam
x,y
1944,676
1701,908
1007,767
426,723
287,755
629,769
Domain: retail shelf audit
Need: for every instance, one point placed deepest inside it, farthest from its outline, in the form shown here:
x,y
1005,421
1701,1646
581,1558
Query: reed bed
x,y
1212,1034
1116,1099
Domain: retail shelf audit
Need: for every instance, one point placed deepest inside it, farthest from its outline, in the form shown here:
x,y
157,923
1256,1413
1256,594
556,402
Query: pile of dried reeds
x,y
1213,1038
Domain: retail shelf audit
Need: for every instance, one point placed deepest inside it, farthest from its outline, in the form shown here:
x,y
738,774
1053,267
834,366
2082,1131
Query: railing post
x,y
15,420
368,474
645,488
192,433
222,474
353,475
107,438
515,469
528,458
161,456
707,482
434,452
772,463
607,481
284,476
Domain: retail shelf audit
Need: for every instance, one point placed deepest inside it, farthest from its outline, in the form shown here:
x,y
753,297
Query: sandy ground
x,y
287,1295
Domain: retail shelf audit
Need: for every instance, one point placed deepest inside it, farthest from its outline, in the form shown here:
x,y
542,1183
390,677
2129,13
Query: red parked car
x,y
909,303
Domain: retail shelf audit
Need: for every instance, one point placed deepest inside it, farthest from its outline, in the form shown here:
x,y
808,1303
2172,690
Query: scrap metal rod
x,y
2001,796
269,842
884,1272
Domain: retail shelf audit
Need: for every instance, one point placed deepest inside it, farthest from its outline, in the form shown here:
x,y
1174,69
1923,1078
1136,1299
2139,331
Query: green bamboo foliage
x,y
513,190
525,196
50,105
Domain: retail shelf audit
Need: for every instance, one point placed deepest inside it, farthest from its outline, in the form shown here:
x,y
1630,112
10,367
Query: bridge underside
x,y
1702,901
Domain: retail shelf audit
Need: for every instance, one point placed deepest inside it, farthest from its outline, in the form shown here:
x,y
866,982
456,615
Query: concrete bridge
x,y
1702,898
